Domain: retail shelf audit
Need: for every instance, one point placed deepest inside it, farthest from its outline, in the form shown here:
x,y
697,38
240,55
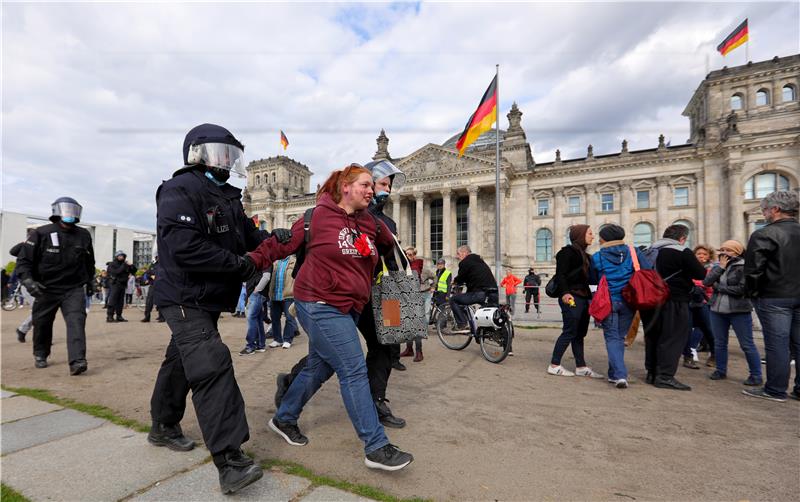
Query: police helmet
x,y
120,253
66,209
213,146
383,168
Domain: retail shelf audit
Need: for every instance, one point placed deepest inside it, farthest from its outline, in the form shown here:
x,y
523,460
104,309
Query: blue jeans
x,y
742,324
576,325
334,346
242,299
701,328
256,337
276,309
780,320
615,329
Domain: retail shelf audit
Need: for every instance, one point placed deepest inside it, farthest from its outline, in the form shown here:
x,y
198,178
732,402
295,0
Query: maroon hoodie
x,y
333,272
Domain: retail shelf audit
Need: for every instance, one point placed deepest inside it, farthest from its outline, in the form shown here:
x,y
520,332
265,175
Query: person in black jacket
x,y
203,234
667,328
531,285
56,264
572,289
481,285
149,280
118,272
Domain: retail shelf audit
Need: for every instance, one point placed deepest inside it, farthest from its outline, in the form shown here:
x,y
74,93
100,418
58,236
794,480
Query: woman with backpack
x,y
615,262
730,308
573,293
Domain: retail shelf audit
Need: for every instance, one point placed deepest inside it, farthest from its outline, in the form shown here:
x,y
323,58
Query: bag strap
x,y
407,266
634,257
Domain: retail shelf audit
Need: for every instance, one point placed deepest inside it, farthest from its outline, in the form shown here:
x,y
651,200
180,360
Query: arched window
x,y
643,234
763,184
544,245
273,176
789,93
762,97
736,102
258,179
690,238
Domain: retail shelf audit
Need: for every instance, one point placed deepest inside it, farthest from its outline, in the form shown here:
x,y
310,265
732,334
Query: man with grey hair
x,y
474,273
772,280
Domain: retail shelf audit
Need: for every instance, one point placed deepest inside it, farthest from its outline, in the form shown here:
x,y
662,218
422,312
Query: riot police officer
x,y
56,263
118,272
203,235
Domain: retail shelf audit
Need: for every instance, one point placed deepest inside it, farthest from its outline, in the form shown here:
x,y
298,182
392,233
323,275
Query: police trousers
x,y
116,300
73,308
197,359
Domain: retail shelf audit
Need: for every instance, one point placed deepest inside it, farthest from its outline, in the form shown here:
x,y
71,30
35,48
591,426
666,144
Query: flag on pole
x,y
480,121
734,40
284,141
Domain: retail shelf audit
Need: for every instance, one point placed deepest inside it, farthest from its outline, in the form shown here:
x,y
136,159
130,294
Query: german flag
x,y
734,40
284,141
480,121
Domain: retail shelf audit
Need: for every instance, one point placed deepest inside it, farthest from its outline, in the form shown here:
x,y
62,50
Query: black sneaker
x,y
247,351
40,362
388,458
399,366
753,381
795,395
146,319
78,368
290,432
121,319
762,394
386,416
282,385
170,436
20,336
718,375
670,383
110,319
236,470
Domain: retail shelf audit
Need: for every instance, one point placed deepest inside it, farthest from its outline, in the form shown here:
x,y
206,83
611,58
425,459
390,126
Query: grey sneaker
x,y
247,351
762,394
388,458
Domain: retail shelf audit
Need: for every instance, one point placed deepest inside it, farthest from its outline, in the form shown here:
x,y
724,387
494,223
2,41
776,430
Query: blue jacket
x,y
614,261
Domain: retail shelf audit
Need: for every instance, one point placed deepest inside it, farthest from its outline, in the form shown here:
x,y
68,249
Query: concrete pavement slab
x,y
106,463
202,485
4,394
41,429
330,494
24,407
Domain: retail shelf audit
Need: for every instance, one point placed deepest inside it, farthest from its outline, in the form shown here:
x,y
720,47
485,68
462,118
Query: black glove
x,y
283,235
34,288
89,289
246,268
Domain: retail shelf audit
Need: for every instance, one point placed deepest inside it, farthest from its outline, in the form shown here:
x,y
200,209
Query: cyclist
x,y
481,285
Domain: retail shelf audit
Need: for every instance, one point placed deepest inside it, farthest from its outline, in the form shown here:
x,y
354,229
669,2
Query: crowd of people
x,y
319,275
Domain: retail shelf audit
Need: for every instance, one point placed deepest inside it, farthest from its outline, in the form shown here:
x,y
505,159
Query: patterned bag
x,y
398,305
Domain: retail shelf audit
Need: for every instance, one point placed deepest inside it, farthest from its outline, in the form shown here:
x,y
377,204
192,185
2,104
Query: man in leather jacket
x,y
772,280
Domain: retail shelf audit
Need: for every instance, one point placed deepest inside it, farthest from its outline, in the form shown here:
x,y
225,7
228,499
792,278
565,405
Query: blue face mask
x,y
68,219
214,180
380,197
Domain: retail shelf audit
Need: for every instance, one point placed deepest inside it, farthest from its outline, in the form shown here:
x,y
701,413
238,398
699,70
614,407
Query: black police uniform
x,y
118,273
149,277
202,235
62,260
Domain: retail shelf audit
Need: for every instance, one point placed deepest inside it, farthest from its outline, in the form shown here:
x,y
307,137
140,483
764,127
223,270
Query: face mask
x,y
380,198
215,177
68,219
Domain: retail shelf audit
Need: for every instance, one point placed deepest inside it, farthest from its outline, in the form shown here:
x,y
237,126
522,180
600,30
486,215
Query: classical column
x,y
662,206
625,207
396,205
735,196
700,207
591,205
558,231
448,239
420,198
474,240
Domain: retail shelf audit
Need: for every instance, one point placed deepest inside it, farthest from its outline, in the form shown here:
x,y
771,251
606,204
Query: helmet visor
x,y
67,210
221,155
384,168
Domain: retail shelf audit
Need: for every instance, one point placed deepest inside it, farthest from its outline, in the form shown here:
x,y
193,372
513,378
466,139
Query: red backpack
x,y
646,289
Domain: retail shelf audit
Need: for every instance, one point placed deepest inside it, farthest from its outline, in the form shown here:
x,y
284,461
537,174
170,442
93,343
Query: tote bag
x,y
398,305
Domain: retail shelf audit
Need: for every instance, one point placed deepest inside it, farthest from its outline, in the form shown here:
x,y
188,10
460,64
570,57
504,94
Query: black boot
x,y
170,436
386,417
110,319
121,319
78,367
40,362
236,470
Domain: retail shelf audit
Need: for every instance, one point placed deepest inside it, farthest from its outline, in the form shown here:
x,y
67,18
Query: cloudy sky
x,y
97,97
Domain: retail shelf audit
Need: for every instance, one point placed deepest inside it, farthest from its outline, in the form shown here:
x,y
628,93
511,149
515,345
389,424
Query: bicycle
x,y
489,325
15,299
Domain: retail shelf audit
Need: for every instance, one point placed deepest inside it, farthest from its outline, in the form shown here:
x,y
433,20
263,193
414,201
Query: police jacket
x,y
202,234
118,272
771,265
59,258
475,274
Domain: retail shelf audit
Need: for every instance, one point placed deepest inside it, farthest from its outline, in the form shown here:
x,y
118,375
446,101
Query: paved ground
x,y
477,430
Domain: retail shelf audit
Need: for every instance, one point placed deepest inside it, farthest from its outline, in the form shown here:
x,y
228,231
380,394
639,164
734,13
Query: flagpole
x,y
497,176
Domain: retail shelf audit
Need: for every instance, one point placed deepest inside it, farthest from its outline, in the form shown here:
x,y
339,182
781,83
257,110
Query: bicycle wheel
x,y
496,345
444,328
10,303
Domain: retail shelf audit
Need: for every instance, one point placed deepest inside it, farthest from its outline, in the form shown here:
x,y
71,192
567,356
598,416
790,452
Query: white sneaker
x,y
694,355
287,345
274,344
588,372
559,371
620,384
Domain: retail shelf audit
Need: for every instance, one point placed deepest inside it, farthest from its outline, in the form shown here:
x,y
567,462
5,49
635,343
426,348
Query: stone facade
x,y
745,142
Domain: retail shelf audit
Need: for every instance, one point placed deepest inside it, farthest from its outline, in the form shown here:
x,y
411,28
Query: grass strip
x,y
90,409
317,480
8,494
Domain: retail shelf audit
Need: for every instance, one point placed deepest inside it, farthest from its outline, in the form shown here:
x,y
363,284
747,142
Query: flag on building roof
x,y
734,40
284,141
480,121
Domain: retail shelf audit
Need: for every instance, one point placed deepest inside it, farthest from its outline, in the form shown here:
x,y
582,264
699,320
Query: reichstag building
x,y
744,143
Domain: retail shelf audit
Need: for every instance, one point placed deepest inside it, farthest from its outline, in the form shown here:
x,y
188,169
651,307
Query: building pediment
x,y
434,160
682,180
608,187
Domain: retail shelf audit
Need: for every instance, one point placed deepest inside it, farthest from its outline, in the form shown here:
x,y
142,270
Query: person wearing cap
x,y
56,265
615,262
531,284
119,270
